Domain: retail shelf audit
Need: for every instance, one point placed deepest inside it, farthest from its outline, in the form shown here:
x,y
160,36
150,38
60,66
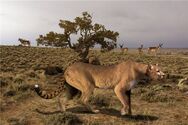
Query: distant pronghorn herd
x,y
123,49
140,49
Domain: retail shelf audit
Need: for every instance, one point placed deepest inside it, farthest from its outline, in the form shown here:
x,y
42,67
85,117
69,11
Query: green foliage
x,y
52,39
89,35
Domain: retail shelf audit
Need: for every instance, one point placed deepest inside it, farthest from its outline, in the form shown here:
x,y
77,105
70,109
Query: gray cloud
x,y
137,22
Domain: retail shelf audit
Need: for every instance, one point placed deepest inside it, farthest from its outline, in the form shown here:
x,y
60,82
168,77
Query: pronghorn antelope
x,y
123,49
24,42
140,49
154,49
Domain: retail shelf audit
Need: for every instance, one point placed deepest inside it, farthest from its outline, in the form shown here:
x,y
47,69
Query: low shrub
x,y
151,96
18,121
9,93
62,119
3,82
100,100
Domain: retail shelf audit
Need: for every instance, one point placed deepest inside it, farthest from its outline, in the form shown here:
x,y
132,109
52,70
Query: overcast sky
x,y
138,22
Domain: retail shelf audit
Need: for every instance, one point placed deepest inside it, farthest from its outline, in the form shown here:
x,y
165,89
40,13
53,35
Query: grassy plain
x,y
159,103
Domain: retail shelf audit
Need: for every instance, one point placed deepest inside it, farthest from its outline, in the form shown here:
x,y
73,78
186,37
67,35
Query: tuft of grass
x,y
32,74
157,93
154,97
183,53
183,85
3,82
22,95
9,93
94,123
62,119
18,80
100,100
18,90
18,121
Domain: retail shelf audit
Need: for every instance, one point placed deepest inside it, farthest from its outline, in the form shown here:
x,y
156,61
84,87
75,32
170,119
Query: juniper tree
x,y
88,35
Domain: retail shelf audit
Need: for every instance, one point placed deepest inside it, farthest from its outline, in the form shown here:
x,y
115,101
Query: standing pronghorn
x,y
123,49
24,42
154,49
140,49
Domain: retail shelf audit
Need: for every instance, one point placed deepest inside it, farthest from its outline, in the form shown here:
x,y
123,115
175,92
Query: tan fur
x,y
86,77
121,77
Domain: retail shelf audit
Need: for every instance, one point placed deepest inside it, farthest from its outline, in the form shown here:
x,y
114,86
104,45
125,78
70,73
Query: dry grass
x,y
158,103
